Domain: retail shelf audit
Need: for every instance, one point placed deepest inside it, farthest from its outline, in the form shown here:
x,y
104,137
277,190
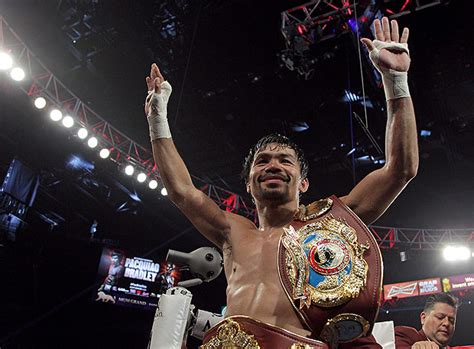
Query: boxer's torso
x,y
254,288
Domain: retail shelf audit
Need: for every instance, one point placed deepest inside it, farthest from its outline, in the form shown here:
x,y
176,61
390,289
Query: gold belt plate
x,y
324,262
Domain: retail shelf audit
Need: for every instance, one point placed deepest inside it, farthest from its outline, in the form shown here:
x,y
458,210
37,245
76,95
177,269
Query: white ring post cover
x,y
204,321
171,318
384,333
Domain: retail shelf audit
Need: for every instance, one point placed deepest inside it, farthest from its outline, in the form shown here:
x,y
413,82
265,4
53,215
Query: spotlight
x,y
40,102
17,74
82,133
164,192
456,253
301,28
56,115
92,142
129,170
425,133
153,184
104,153
6,61
68,121
141,177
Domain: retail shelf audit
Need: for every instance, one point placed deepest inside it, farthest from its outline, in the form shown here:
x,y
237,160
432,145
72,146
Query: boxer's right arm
x,y
202,211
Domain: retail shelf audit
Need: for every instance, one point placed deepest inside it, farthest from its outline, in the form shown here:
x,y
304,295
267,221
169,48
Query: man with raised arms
x,y
283,276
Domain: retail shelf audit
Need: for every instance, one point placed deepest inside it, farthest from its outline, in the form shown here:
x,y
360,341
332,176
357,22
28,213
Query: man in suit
x,y
438,321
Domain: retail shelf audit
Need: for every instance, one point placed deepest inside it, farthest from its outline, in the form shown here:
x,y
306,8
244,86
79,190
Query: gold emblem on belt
x,y
324,262
230,336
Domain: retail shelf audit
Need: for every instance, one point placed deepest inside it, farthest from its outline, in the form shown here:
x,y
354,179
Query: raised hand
x,y
159,91
389,50
155,79
156,102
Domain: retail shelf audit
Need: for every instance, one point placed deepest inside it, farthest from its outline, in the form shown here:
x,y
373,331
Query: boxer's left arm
x,y
373,194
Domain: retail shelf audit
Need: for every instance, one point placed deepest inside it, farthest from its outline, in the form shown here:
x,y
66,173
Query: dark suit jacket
x,y
406,336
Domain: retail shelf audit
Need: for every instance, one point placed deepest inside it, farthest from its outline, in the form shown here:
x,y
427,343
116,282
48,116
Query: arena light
x,y
40,102
164,192
141,177
129,170
153,184
456,253
92,142
56,115
82,133
6,61
104,153
68,121
17,74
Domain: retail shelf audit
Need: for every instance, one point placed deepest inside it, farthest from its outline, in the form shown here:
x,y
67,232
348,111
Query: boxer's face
x,y
439,323
275,175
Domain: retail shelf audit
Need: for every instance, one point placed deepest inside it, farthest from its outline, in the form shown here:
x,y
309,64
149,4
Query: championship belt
x,y
331,269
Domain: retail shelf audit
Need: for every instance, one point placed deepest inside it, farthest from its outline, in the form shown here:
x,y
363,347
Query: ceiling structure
x,y
230,87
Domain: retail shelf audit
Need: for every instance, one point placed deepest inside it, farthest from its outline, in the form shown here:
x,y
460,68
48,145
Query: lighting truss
x,y
304,27
85,26
421,239
320,20
40,81
317,20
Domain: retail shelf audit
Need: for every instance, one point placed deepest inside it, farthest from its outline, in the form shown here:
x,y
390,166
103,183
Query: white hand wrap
x,y
157,114
395,83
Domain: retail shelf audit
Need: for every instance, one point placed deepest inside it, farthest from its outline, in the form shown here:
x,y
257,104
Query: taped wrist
x,y
157,114
158,126
395,83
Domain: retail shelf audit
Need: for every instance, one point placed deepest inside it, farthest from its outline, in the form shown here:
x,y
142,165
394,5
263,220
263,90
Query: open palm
x,y
389,33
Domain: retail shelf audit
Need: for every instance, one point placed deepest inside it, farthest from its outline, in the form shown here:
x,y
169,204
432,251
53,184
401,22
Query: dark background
x,y
229,90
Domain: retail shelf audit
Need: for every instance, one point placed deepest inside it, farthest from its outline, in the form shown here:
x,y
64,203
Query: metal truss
x,y
322,15
320,20
421,239
304,27
40,81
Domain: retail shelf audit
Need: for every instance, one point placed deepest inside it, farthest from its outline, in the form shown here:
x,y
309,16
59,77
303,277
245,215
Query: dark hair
x,y
281,141
445,298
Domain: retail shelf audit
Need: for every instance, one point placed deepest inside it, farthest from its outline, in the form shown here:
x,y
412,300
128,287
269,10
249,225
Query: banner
x,y
133,281
400,290
429,286
412,288
458,283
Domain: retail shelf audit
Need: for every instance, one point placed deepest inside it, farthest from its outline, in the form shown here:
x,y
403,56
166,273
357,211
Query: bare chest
x,y
254,288
253,254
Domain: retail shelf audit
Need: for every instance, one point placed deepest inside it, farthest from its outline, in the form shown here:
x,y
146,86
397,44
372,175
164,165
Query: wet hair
x,y
282,141
445,298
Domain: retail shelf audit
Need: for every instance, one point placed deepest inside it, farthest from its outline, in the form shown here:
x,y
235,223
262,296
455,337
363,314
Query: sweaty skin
x,y
275,183
253,287
250,253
